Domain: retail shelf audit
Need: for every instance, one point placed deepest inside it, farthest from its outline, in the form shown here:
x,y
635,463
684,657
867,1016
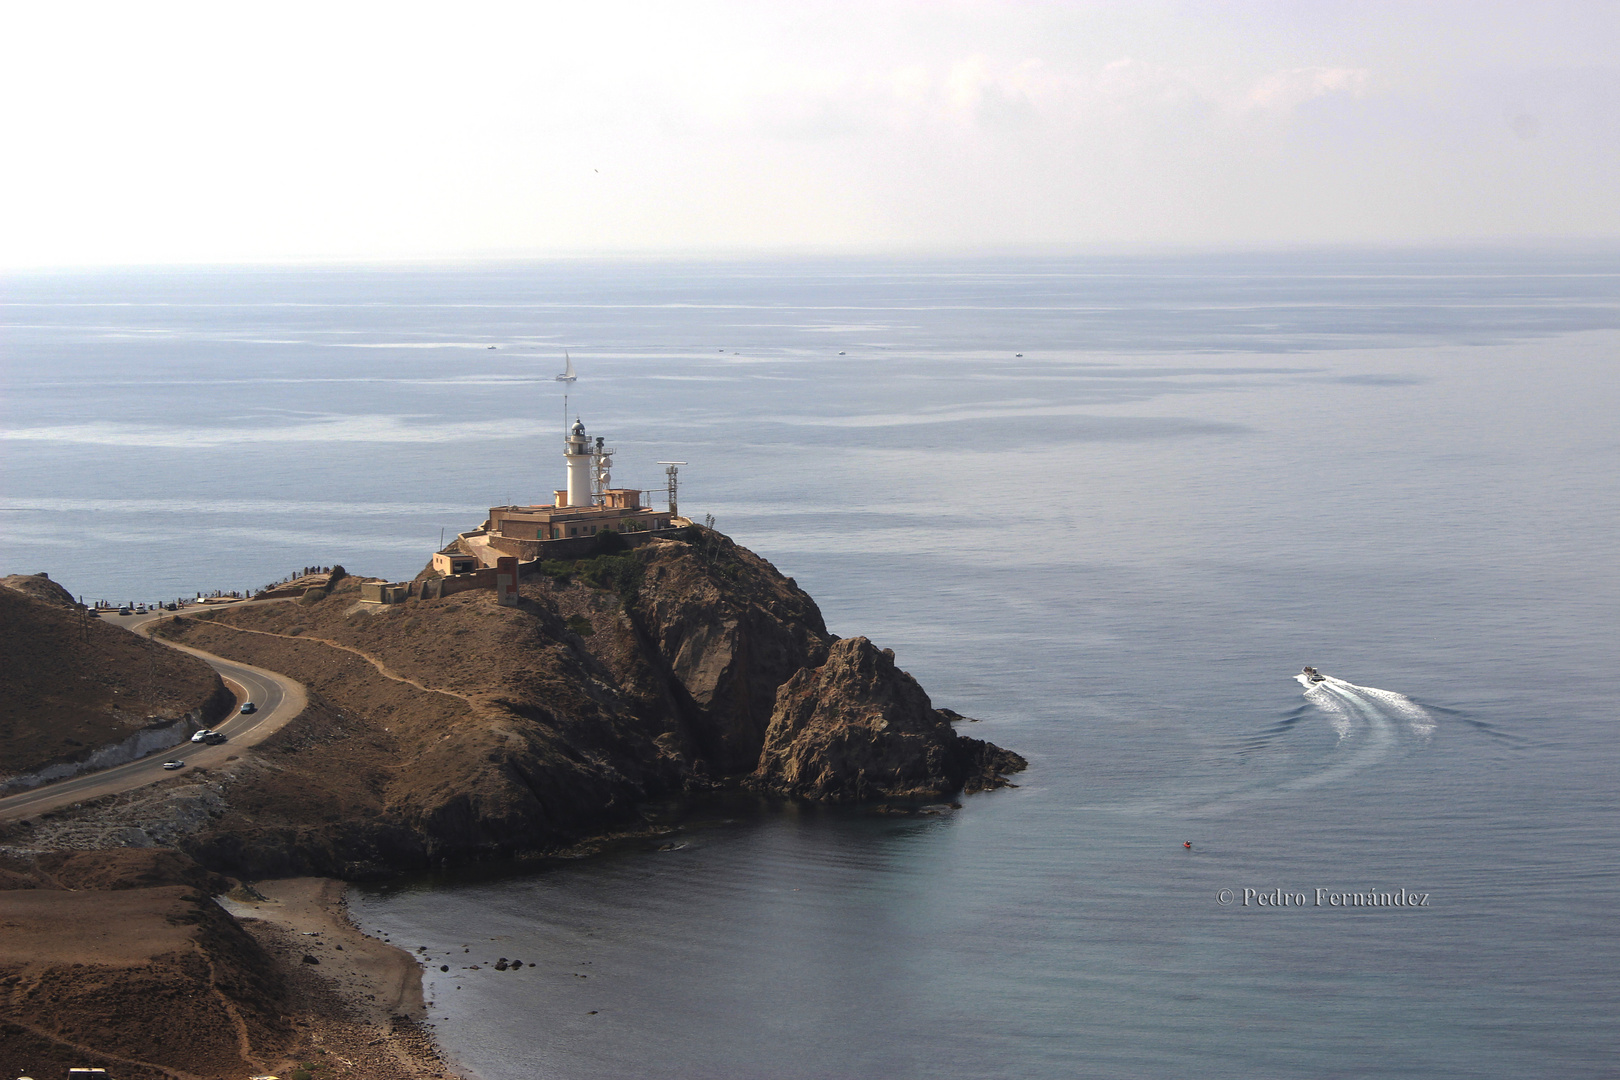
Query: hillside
x,y
450,729
40,587
153,977
70,684
118,959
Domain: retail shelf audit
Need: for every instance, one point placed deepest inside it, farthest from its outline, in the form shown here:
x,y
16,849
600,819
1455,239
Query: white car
x,y
172,765
202,736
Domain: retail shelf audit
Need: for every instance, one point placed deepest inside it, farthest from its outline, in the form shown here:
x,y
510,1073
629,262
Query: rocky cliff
x,y
857,727
453,729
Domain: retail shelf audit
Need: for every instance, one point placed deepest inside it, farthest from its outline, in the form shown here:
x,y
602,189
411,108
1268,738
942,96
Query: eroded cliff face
x,y
858,727
449,729
729,629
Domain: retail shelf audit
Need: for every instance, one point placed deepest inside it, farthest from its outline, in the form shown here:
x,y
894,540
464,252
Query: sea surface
x,y
1108,506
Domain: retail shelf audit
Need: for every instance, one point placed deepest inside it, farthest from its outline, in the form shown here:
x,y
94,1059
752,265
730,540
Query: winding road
x,y
277,699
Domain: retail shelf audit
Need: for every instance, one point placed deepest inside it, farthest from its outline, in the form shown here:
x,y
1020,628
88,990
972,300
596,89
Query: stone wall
x,y
570,547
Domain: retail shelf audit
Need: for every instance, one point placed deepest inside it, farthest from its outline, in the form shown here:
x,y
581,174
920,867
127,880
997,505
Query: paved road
x,y
278,700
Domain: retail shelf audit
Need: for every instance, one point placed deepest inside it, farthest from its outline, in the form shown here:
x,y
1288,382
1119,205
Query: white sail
x,y
568,375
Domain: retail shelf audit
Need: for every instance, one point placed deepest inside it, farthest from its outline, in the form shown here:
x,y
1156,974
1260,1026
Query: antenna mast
x,y
673,472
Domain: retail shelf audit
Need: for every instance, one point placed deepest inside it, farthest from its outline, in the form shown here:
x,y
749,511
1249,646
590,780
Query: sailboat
x,y
568,374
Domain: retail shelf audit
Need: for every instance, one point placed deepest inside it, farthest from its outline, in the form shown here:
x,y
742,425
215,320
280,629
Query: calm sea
x,y
1109,506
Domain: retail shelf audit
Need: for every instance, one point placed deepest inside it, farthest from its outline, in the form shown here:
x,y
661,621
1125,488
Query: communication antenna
x,y
673,472
601,472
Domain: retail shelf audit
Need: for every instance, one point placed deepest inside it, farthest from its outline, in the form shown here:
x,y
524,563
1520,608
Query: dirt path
x,y
99,1058
382,668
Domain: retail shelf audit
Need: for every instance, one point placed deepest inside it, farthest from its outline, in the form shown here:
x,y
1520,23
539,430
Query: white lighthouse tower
x,y
578,453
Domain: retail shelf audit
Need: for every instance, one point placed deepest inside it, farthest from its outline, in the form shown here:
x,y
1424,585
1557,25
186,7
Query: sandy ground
x,y
359,1010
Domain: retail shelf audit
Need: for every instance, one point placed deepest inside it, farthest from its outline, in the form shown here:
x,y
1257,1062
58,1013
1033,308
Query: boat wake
x,y
1346,704
1296,753
1367,720
1369,723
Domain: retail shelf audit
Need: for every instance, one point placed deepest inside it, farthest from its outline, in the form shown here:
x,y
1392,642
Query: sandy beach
x,y
358,1007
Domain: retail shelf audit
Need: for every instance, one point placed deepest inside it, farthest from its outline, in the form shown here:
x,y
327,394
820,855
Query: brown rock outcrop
x,y
40,587
729,629
859,728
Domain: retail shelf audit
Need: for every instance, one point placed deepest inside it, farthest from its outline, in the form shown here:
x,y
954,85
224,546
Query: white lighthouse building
x,y
581,468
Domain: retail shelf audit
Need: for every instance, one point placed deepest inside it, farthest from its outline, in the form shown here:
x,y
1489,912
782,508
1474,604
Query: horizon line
x,y
1592,244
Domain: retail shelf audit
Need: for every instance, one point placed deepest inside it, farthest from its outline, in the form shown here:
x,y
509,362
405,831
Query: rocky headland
x,y
438,732
454,729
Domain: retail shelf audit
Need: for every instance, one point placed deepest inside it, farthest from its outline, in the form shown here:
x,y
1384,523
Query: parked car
x,y
172,765
202,736
248,707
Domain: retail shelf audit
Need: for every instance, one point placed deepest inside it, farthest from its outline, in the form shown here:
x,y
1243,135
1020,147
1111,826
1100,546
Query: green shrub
x,y
580,625
562,570
615,573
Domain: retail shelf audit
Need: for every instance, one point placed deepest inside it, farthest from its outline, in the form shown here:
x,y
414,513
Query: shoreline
x,y
360,1004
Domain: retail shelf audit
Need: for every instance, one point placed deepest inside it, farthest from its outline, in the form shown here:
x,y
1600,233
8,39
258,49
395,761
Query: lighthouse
x,y
589,506
578,453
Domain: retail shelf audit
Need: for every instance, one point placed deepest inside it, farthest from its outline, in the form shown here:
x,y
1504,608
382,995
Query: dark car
x,y
248,707
213,738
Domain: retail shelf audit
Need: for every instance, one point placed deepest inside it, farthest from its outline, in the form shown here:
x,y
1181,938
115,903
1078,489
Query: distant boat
x,y
492,346
568,375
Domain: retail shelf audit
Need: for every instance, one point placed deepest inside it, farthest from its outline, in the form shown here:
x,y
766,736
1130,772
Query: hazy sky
x,y
238,131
